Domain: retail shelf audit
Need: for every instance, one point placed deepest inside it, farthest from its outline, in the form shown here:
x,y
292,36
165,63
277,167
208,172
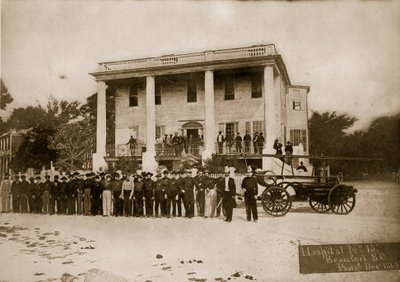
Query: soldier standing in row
x,y
107,195
30,195
79,190
54,188
172,193
188,196
5,188
15,192
46,188
87,187
148,190
71,192
23,196
160,190
126,194
138,195
96,192
200,182
36,196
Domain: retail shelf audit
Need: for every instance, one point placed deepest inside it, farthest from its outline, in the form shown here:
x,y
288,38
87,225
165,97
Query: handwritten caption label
x,y
349,257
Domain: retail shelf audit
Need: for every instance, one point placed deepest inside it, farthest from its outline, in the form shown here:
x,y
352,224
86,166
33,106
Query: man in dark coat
x,y
160,190
138,195
228,186
46,189
37,195
15,193
247,140
30,194
148,190
180,184
199,182
250,188
188,195
24,194
71,191
172,193
96,192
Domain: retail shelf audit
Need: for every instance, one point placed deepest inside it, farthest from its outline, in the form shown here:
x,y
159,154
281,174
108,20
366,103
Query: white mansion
x,y
200,94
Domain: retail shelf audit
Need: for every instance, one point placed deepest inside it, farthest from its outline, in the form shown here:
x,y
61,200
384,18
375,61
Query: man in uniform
x,y
96,192
15,192
160,190
172,193
30,195
54,195
23,195
5,188
180,184
148,189
188,196
238,143
37,195
71,191
250,188
87,187
199,182
46,188
138,195
116,185
79,190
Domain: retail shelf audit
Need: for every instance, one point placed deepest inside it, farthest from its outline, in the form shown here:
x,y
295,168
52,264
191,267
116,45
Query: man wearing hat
x,y
71,192
160,190
30,195
200,184
289,152
106,196
238,143
37,195
250,189
96,192
180,184
87,187
211,195
54,190
5,188
15,192
23,197
148,190
172,192
228,188
46,188
188,194
116,185
62,196
79,192
138,195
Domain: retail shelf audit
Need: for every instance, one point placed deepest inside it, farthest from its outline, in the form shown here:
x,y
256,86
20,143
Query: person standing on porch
x,y
238,143
220,142
247,140
132,145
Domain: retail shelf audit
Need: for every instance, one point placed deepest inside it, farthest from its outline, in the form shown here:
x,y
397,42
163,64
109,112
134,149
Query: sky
x,y
348,52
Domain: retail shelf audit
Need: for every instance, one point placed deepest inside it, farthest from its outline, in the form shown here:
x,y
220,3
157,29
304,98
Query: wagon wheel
x,y
341,199
267,179
276,201
318,206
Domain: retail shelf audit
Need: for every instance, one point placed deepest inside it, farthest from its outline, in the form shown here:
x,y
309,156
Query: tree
x,y
5,96
34,151
327,132
72,141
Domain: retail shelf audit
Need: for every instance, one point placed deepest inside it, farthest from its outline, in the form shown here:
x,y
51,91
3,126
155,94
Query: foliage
x,y
5,96
34,151
217,163
72,141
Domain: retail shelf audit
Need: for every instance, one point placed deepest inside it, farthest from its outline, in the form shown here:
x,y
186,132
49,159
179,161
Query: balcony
x,y
192,58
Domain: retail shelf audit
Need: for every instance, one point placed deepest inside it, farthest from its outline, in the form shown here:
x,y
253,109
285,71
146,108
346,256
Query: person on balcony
x,y
289,152
229,143
255,142
247,140
260,143
176,144
220,142
238,143
132,145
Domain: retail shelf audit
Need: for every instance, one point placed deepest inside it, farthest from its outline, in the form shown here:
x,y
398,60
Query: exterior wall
x,y
9,145
298,119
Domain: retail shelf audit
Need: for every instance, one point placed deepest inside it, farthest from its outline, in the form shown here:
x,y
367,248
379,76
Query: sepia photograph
x,y
199,141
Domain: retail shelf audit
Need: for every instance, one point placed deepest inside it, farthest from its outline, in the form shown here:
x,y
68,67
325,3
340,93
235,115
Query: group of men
x,y
237,141
139,194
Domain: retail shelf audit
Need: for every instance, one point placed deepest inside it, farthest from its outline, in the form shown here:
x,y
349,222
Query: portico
x,y
205,79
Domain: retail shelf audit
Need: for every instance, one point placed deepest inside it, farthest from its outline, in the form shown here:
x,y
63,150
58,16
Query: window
x,y
160,131
158,94
133,96
229,88
296,104
191,91
298,136
258,126
230,129
256,90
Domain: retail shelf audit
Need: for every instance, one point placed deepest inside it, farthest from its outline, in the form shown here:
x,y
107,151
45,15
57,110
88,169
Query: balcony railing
x,y
208,56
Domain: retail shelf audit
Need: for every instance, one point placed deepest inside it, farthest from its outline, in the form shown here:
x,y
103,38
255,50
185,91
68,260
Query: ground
x,y
66,248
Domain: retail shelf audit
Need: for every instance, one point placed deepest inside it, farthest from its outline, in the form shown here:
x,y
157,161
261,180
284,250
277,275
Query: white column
x,y
210,136
149,161
101,132
269,117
